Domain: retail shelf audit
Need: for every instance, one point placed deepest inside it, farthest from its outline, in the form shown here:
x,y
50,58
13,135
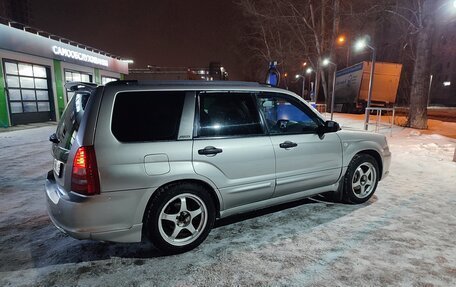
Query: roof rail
x,y
75,86
184,83
122,82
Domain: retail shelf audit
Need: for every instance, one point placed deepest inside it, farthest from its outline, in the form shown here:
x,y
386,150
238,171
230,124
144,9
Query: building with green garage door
x,y
34,67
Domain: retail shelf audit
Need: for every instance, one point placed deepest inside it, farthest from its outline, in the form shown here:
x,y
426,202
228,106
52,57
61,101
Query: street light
x,y
285,80
327,62
308,72
303,79
342,42
303,83
361,45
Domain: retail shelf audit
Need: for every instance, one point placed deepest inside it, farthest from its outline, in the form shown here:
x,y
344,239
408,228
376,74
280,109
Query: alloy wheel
x,y
182,219
364,179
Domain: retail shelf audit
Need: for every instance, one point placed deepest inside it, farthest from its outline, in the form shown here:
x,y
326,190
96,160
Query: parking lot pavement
x,y
405,235
27,126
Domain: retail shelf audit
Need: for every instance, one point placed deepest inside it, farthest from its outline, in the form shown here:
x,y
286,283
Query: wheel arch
x,y
207,186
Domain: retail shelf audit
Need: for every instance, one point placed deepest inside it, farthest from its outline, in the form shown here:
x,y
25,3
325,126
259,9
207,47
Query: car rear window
x,y
147,116
68,127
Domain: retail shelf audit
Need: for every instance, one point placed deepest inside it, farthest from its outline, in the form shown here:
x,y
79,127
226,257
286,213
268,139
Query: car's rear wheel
x,y
180,217
361,179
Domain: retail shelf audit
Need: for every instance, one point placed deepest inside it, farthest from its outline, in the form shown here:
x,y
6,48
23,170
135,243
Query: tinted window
x,y
228,114
147,116
284,115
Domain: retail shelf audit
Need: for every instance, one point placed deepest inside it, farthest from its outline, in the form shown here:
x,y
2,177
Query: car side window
x,y
142,116
284,115
224,114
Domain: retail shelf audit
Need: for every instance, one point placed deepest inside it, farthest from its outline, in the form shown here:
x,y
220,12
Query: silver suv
x,y
163,160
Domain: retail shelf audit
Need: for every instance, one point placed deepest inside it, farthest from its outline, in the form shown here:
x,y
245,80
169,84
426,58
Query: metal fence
x,y
388,113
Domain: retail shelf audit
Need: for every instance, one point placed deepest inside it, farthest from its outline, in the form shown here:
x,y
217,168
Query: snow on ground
x,y
405,235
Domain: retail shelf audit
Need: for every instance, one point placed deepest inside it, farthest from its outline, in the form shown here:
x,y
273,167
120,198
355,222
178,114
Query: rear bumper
x,y
110,216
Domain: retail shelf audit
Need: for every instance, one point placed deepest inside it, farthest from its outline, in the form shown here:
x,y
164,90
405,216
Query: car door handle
x,y
288,144
210,150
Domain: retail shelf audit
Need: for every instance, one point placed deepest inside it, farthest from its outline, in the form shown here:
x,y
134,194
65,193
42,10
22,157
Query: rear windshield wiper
x,y
53,138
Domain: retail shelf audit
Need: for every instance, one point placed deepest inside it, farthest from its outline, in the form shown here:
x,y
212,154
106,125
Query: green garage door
x,y
29,92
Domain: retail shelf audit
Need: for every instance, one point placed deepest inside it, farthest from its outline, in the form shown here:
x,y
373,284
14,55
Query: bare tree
x,y
418,19
265,37
425,20
290,29
415,19
293,31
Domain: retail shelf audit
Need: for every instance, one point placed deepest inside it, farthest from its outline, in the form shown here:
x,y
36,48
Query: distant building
x,y
214,72
217,71
158,73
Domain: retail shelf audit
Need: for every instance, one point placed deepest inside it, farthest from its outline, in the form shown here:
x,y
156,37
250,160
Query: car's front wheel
x,y
180,217
361,179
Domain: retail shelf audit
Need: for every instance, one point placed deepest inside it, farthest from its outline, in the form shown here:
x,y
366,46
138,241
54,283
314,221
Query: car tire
x,y
361,179
179,217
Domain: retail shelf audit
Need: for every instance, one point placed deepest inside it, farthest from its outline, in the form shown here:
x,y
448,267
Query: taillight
x,y
84,177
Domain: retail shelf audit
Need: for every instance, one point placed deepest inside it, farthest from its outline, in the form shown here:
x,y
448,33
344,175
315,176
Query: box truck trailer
x,y
352,86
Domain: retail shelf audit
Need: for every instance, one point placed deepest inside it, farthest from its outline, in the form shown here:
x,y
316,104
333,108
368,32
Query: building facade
x,y
34,67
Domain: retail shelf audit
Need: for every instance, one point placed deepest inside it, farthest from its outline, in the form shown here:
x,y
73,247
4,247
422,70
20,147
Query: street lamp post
x,y
342,43
308,72
303,83
303,79
361,44
327,62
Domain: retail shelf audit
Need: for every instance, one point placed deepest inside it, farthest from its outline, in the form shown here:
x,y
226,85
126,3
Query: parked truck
x,y
352,86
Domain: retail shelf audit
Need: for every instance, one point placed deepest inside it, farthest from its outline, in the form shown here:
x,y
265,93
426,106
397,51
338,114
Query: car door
x,y
305,160
232,149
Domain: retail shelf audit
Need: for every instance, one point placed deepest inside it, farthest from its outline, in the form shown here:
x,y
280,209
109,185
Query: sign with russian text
x,y
20,41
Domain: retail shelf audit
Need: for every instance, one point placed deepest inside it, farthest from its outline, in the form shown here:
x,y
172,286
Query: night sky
x,y
163,33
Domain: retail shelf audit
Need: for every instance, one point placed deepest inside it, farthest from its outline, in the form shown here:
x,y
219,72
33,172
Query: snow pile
x,y
405,235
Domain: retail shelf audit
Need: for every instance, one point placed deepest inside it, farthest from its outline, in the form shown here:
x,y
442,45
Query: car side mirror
x,y
331,126
328,127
